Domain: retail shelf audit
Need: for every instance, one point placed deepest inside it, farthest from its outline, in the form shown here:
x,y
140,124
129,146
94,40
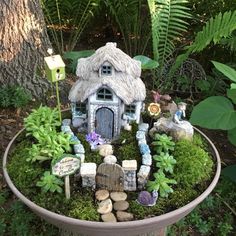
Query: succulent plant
x,y
165,162
163,143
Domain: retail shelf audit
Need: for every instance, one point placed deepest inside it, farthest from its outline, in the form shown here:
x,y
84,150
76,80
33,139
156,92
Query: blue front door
x,y
104,122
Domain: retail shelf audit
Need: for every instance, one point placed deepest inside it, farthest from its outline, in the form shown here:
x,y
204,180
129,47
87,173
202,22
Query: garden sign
x,y
64,167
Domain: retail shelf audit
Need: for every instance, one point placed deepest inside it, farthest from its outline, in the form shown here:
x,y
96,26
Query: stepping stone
x,y
109,217
110,159
105,150
105,206
124,216
121,205
118,196
101,194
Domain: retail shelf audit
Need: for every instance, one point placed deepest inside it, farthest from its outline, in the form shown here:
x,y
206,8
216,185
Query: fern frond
x,y
130,16
229,42
168,23
221,26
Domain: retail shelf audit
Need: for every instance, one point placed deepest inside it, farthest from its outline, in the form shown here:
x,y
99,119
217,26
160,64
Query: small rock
x,y
143,127
79,148
105,150
101,194
124,216
147,159
109,217
121,205
140,135
110,159
105,206
118,196
66,122
66,129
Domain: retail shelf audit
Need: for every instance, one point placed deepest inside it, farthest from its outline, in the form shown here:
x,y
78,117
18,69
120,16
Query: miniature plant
x,y
43,117
193,166
94,139
161,184
14,96
163,143
51,145
50,183
165,162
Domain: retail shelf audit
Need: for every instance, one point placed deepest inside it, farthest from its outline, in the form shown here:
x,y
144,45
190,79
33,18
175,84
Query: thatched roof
x,y
125,82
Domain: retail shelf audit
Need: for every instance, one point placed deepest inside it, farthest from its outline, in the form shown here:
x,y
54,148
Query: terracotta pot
x,y
153,226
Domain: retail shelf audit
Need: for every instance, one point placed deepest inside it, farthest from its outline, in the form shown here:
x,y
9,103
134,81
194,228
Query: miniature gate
x,y
110,177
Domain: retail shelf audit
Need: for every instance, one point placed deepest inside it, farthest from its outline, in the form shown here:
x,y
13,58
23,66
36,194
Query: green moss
x,y
83,207
181,197
193,166
199,141
126,147
23,173
90,156
142,212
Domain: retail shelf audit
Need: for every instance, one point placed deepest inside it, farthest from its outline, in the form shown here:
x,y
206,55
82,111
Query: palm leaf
x,y
168,23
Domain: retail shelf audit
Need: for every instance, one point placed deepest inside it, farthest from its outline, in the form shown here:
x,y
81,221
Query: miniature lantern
x,y
55,68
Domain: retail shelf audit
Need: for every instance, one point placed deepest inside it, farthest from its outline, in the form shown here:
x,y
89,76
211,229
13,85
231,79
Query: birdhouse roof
x,y
54,62
125,82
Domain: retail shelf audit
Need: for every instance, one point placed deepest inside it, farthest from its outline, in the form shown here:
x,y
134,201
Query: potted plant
x,y
155,224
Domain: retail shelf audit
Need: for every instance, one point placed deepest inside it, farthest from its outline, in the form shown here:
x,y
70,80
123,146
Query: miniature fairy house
x,y
109,92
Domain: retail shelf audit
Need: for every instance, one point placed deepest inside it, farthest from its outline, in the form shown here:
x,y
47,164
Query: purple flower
x,y
94,139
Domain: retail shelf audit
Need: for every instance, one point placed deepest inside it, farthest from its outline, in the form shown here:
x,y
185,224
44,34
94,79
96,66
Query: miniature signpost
x,y
55,71
64,167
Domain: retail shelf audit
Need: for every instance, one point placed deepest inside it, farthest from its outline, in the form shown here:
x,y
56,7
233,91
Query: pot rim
x,y
107,225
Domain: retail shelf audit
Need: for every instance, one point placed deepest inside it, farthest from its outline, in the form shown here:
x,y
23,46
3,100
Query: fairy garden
x,y
102,161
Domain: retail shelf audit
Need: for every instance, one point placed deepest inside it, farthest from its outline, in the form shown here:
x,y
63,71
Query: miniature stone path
x,y
145,168
114,201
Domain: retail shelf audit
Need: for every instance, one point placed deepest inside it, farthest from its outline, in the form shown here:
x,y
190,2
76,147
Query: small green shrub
x,y
43,118
193,166
51,145
13,96
49,182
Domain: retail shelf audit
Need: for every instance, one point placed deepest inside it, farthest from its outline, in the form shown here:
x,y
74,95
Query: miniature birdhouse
x,y
55,68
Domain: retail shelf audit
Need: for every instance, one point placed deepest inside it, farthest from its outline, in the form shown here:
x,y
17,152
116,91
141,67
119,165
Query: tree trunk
x,y
23,45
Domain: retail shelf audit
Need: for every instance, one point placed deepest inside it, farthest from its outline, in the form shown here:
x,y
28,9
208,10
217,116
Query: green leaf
x,y
232,136
230,172
73,56
214,113
146,62
226,70
231,93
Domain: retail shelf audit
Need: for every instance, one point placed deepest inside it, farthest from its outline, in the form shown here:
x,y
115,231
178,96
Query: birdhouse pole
x,y
58,101
55,71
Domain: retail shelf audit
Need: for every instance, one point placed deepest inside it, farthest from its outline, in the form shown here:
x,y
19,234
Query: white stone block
x,y
129,164
147,159
88,169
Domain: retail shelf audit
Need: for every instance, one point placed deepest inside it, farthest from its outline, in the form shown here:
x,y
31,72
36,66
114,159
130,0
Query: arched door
x,y
104,122
110,177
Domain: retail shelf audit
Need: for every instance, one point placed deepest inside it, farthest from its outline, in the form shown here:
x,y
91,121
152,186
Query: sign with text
x,y
66,166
